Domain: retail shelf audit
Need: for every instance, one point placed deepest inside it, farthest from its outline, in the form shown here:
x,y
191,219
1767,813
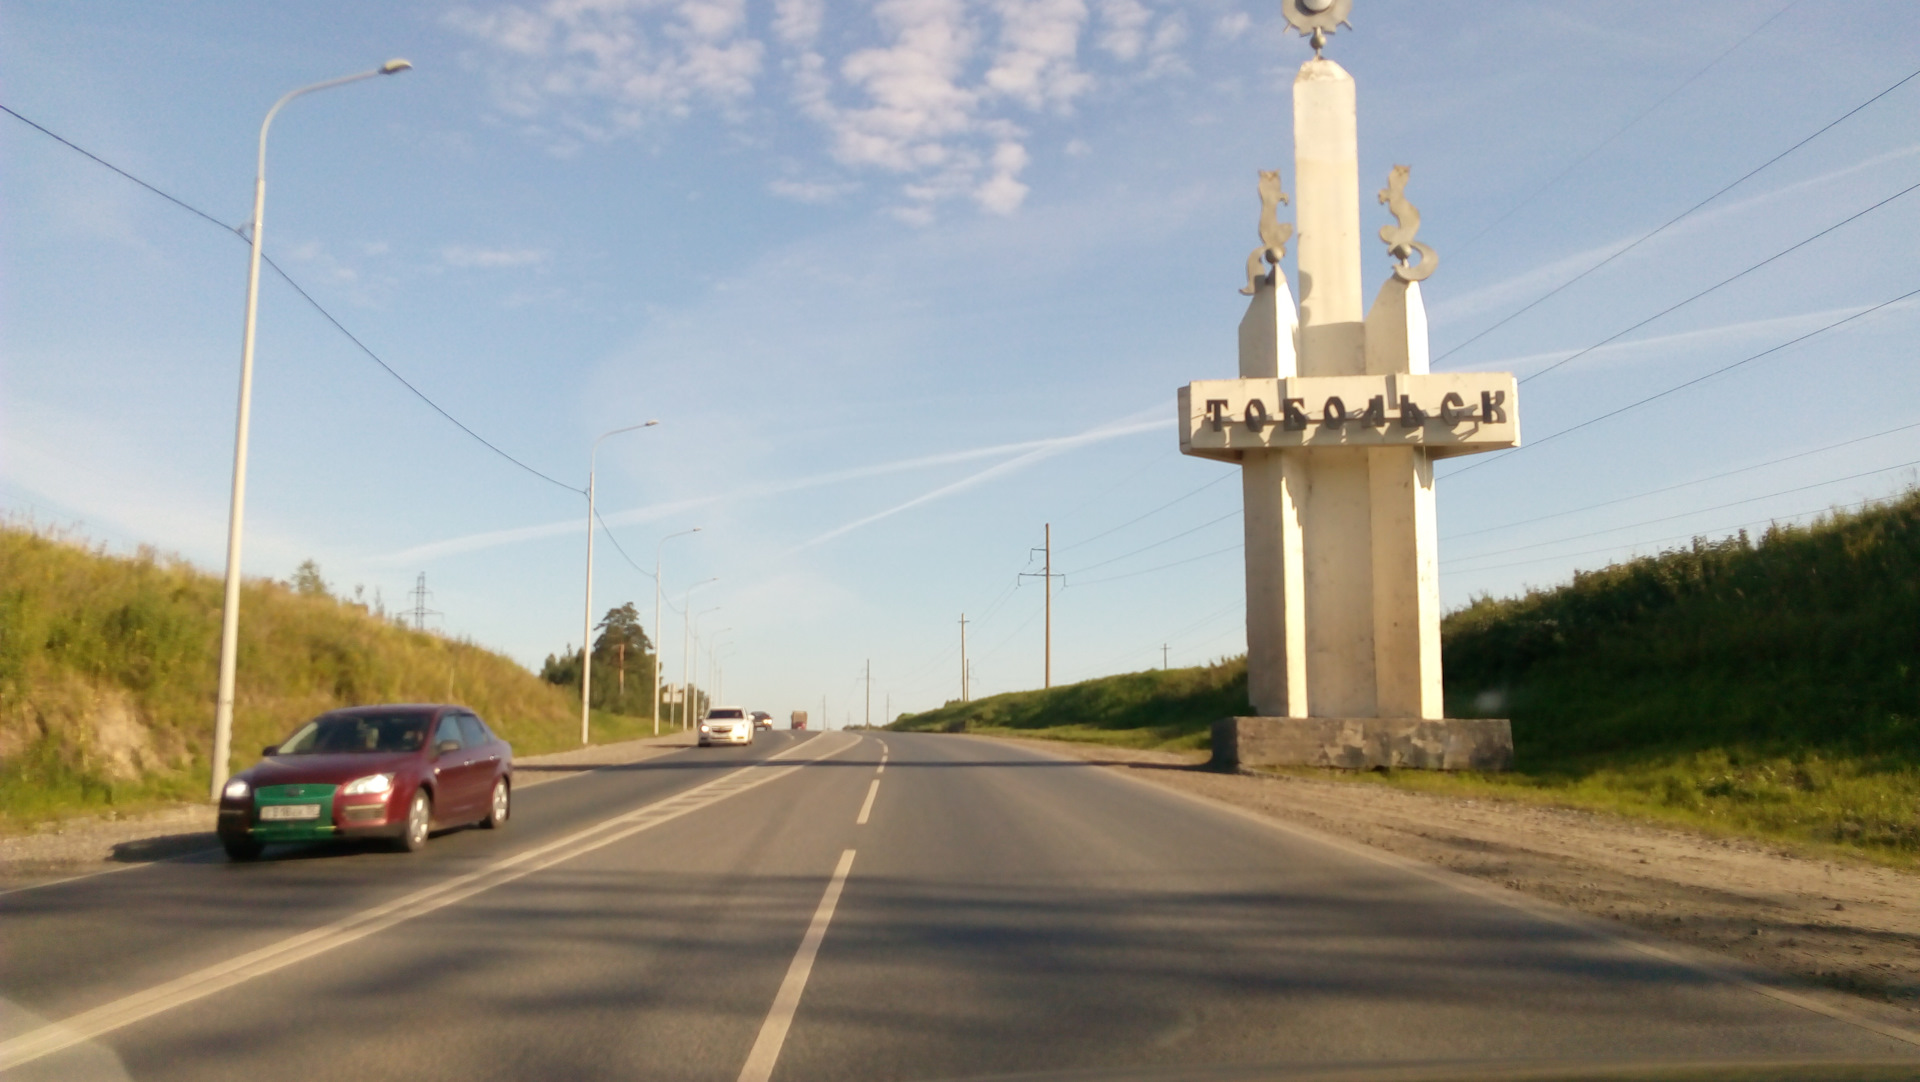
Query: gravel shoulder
x,y
1849,926
91,845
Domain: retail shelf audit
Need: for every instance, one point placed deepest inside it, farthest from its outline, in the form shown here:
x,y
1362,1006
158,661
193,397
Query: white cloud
x,y
1036,64
1124,27
467,256
1232,26
609,66
804,191
797,22
933,93
1002,194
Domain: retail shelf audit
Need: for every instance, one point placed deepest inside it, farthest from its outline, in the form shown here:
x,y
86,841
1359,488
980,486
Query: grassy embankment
x,y
1768,688
108,667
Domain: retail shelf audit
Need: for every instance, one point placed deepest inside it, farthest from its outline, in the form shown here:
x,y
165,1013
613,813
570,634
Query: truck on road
x,y
797,721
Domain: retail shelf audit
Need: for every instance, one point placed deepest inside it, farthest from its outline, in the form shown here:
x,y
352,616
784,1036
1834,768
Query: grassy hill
x,y
1764,686
1171,708
108,668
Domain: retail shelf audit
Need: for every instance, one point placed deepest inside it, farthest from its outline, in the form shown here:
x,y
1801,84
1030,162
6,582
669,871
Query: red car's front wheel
x,y
500,808
413,836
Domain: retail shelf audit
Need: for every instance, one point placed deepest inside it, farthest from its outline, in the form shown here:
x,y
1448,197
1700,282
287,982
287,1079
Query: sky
x,y
908,282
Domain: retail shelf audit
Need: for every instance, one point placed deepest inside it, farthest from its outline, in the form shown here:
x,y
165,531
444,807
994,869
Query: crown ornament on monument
x,y
1315,19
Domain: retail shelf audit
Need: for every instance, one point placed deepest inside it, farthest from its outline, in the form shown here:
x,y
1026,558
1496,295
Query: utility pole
x,y
1163,657
887,718
869,718
825,722
1046,577
965,695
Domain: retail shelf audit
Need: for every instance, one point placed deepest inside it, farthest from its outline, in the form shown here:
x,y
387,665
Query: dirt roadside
x,y
85,846
1845,925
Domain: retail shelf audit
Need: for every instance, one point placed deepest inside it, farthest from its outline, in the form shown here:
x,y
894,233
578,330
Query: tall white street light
x,y
714,653
586,633
236,515
686,639
714,643
689,626
656,622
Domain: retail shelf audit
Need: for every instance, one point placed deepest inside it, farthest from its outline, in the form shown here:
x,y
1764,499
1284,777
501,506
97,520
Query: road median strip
x,y
87,1025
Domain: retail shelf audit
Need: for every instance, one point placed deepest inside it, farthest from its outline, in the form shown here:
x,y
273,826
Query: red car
x,y
370,771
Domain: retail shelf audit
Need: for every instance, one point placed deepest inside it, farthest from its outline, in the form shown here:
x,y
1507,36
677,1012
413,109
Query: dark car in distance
x,y
397,771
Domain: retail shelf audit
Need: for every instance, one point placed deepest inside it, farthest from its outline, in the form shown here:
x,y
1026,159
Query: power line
x,y
1149,514
1689,383
1723,282
1622,130
308,297
1683,514
1131,476
69,144
1683,484
457,423
1163,567
608,530
1162,541
1674,220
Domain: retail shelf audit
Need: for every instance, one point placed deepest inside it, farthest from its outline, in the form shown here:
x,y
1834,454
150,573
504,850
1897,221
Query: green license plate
x,y
281,812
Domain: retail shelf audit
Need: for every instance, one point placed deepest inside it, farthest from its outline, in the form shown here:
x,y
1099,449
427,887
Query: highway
x,y
841,905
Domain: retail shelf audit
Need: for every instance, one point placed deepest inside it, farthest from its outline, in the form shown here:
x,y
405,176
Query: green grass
x,y
1764,687
108,667
1156,709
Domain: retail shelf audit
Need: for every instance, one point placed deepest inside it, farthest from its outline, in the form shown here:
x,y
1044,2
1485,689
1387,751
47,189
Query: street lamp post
x,y
689,620
686,610
712,680
656,622
586,633
719,671
236,515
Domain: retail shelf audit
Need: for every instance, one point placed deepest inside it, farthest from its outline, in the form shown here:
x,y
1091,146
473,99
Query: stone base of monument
x,y
1364,743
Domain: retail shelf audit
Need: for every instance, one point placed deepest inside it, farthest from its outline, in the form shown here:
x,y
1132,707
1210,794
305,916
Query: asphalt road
x,y
797,910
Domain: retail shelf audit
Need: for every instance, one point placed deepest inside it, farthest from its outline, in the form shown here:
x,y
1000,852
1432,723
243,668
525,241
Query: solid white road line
x,y
773,1031
867,808
85,1026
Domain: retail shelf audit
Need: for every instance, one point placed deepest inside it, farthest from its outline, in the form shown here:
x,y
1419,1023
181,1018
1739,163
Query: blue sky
x,y
905,281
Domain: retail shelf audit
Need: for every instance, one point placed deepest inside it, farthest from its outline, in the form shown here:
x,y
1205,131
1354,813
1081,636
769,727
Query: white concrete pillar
x,y
1326,163
1269,486
1336,503
1406,572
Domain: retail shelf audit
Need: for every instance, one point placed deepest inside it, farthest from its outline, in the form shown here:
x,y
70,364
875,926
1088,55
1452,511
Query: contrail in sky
x,y
1026,452
1041,449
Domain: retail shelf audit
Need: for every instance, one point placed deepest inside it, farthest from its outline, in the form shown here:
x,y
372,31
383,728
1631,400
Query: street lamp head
x,y
395,66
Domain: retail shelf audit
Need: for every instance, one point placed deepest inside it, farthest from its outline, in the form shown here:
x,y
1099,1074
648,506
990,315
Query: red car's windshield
x,y
366,733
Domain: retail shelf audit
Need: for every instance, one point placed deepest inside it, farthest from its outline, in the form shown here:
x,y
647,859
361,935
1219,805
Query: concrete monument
x,y
1335,422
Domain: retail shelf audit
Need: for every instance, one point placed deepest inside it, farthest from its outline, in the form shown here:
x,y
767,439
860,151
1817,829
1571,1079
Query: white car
x,y
726,725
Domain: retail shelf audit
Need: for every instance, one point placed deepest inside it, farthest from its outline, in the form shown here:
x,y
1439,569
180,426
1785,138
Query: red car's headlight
x,y
372,783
